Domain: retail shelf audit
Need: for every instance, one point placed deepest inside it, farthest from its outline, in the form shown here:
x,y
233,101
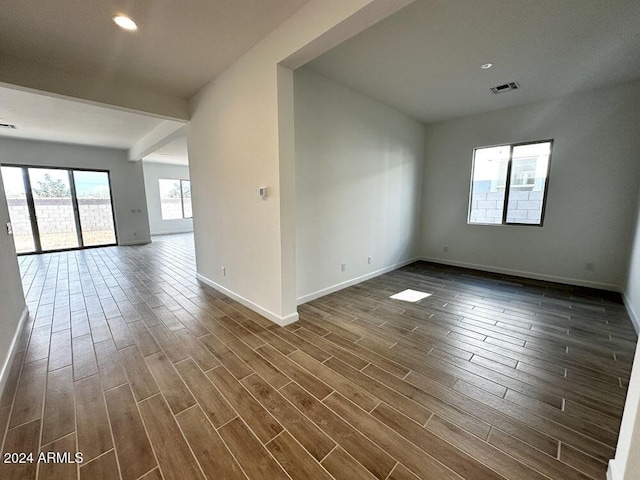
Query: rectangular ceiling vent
x,y
7,125
506,87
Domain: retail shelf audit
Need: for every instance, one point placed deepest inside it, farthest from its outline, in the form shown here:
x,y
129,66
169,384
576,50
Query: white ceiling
x,y
173,153
425,60
179,47
55,119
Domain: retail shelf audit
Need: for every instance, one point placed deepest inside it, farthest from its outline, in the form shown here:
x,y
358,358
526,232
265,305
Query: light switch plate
x,y
9,229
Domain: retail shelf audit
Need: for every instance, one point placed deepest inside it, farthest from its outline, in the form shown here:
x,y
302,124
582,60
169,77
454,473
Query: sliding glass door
x,y
54,206
94,208
59,209
19,214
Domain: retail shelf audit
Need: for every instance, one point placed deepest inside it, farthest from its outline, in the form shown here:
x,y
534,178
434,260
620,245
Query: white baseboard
x,y
13,348
632,313
520,273
353,281
612,472
282,321
134,242
171,232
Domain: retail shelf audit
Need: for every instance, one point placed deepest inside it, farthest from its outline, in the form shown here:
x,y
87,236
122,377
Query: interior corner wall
x,y
152,173
631,290
626,464
127,180
233,151
237,144
12,304
591,203
358,185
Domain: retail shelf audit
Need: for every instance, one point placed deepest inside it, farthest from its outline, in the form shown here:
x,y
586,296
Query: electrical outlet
x,y
9,229
369,260
135,234
343,267
224,271
445,248
588,266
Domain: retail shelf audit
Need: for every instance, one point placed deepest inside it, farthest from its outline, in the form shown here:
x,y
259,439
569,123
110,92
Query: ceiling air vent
x,y
7,125
505,87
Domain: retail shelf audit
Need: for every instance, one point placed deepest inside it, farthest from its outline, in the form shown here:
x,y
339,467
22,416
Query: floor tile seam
x,y
44,404
195,397
550,456
75,417
529,384
392,470
186,440
8,427
144,426
464,411
216,430
532,427
252,432
337,443
89,462
382,448
103,394
490,352
362,358
572,430
239,415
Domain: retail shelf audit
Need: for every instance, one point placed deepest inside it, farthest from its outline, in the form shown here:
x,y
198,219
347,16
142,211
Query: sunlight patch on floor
x,y
410,296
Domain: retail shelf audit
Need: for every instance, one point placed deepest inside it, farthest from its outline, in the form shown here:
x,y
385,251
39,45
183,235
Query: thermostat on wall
x,y
264,192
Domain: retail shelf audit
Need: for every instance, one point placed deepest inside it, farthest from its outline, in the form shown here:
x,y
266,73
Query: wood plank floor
x,y
129,360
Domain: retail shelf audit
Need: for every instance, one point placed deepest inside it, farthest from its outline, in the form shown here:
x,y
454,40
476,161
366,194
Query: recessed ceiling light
x,y
486,66
125,22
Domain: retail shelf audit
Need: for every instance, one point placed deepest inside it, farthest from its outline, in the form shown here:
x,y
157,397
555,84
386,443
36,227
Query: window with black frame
x,y
509,184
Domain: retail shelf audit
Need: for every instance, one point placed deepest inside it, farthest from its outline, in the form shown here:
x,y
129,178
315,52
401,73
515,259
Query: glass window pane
x,y
488,184
186,198
529,168
94,207
170,201
54,209
18,209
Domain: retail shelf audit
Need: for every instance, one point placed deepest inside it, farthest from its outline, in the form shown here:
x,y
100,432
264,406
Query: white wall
x,y
152,173
12,304
626,465
632,284
358,185
241,137
127,181
592,197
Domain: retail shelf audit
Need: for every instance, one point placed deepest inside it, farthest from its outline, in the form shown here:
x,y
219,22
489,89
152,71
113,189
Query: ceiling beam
x,y
91,87
157,138
360,20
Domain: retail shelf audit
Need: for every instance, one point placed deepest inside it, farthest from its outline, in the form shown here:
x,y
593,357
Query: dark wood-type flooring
x,y
127,359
